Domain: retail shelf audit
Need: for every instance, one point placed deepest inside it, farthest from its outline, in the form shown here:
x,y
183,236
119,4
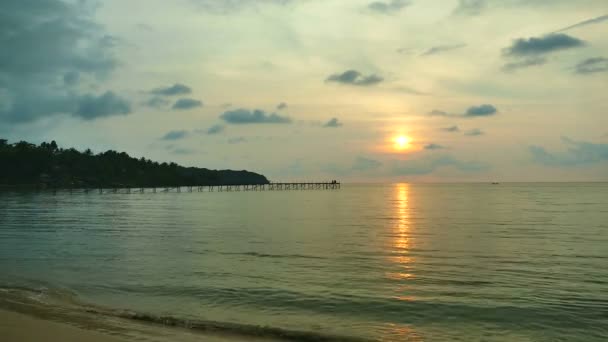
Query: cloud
x,y
354,77
442,48
405,51
91,107
157,102
388,7
470,7
526,63
436,112
176,89
257,116
477,7
49,47
282,106
592,65
429,164
182,150
585,23
433,147
224,7
474,132
237,140
184,104
215,129
578,153
409,90
482,110
451,129
333,123
175,135
365,164
542,45
71,78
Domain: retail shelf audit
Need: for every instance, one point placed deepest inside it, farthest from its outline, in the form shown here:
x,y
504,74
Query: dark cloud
x,y
442,48
592,65
215,129
553,42
175,135
451,129
470,7
427,165
333,123
474,132
176,89
473,112
184,104
482,110
157,102
48,47
578,153
282,106
388,7
436,112
71,78
92,107
585,23
257,116
354,77
526,63
433,147
365,164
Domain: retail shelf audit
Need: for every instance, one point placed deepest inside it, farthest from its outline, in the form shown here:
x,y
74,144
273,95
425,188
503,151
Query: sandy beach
x,y
44,326
16,327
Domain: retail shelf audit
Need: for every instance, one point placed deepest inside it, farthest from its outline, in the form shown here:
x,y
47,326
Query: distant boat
x,y
495,183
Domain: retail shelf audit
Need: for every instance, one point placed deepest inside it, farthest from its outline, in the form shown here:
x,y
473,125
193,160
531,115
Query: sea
x,y
367,262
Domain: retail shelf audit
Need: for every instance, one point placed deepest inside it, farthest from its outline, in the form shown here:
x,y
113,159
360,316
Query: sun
x,y
402,142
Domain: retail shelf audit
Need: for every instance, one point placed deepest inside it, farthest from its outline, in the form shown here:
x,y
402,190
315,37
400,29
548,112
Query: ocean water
x,y
382,262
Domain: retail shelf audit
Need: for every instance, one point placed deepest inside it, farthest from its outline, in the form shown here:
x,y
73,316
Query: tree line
x,y
26,164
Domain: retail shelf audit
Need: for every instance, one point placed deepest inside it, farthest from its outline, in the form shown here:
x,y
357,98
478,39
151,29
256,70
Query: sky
x,y
301,90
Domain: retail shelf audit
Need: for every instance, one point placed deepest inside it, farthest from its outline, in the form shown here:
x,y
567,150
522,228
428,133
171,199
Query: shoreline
x,y
58,316
32,316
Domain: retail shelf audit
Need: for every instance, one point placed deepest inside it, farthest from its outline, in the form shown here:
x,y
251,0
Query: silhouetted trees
x,y
23,163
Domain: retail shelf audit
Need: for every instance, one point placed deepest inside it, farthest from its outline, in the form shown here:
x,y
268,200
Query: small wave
x,y
267,255
235,328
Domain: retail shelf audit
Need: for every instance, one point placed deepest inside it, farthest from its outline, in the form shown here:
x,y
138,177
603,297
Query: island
x,y
23,164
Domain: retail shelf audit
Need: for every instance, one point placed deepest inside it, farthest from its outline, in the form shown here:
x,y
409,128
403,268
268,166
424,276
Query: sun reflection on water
x,y
401,241
401,273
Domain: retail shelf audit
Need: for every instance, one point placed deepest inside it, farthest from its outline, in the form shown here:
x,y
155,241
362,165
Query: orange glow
x,y
402,142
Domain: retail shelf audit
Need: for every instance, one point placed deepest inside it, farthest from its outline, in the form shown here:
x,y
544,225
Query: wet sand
x,y
16,327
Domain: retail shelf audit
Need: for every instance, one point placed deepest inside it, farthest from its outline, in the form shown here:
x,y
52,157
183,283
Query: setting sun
x,y
402,142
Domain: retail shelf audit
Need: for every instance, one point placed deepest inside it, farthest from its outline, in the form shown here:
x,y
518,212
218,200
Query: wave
x,y
46,302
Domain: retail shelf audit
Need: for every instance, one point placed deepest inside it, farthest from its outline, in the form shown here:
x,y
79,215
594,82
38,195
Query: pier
x,y
291,186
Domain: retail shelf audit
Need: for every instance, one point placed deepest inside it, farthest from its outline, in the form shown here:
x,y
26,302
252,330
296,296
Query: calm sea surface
x,y
398,262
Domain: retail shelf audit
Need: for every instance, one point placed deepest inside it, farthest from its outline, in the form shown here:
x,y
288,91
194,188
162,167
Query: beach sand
x,y
20,327
16,327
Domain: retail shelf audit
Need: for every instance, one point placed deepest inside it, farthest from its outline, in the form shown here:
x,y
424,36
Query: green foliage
x,y
23,163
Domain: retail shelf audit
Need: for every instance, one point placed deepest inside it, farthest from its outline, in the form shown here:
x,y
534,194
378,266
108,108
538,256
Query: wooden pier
x,y
207,188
